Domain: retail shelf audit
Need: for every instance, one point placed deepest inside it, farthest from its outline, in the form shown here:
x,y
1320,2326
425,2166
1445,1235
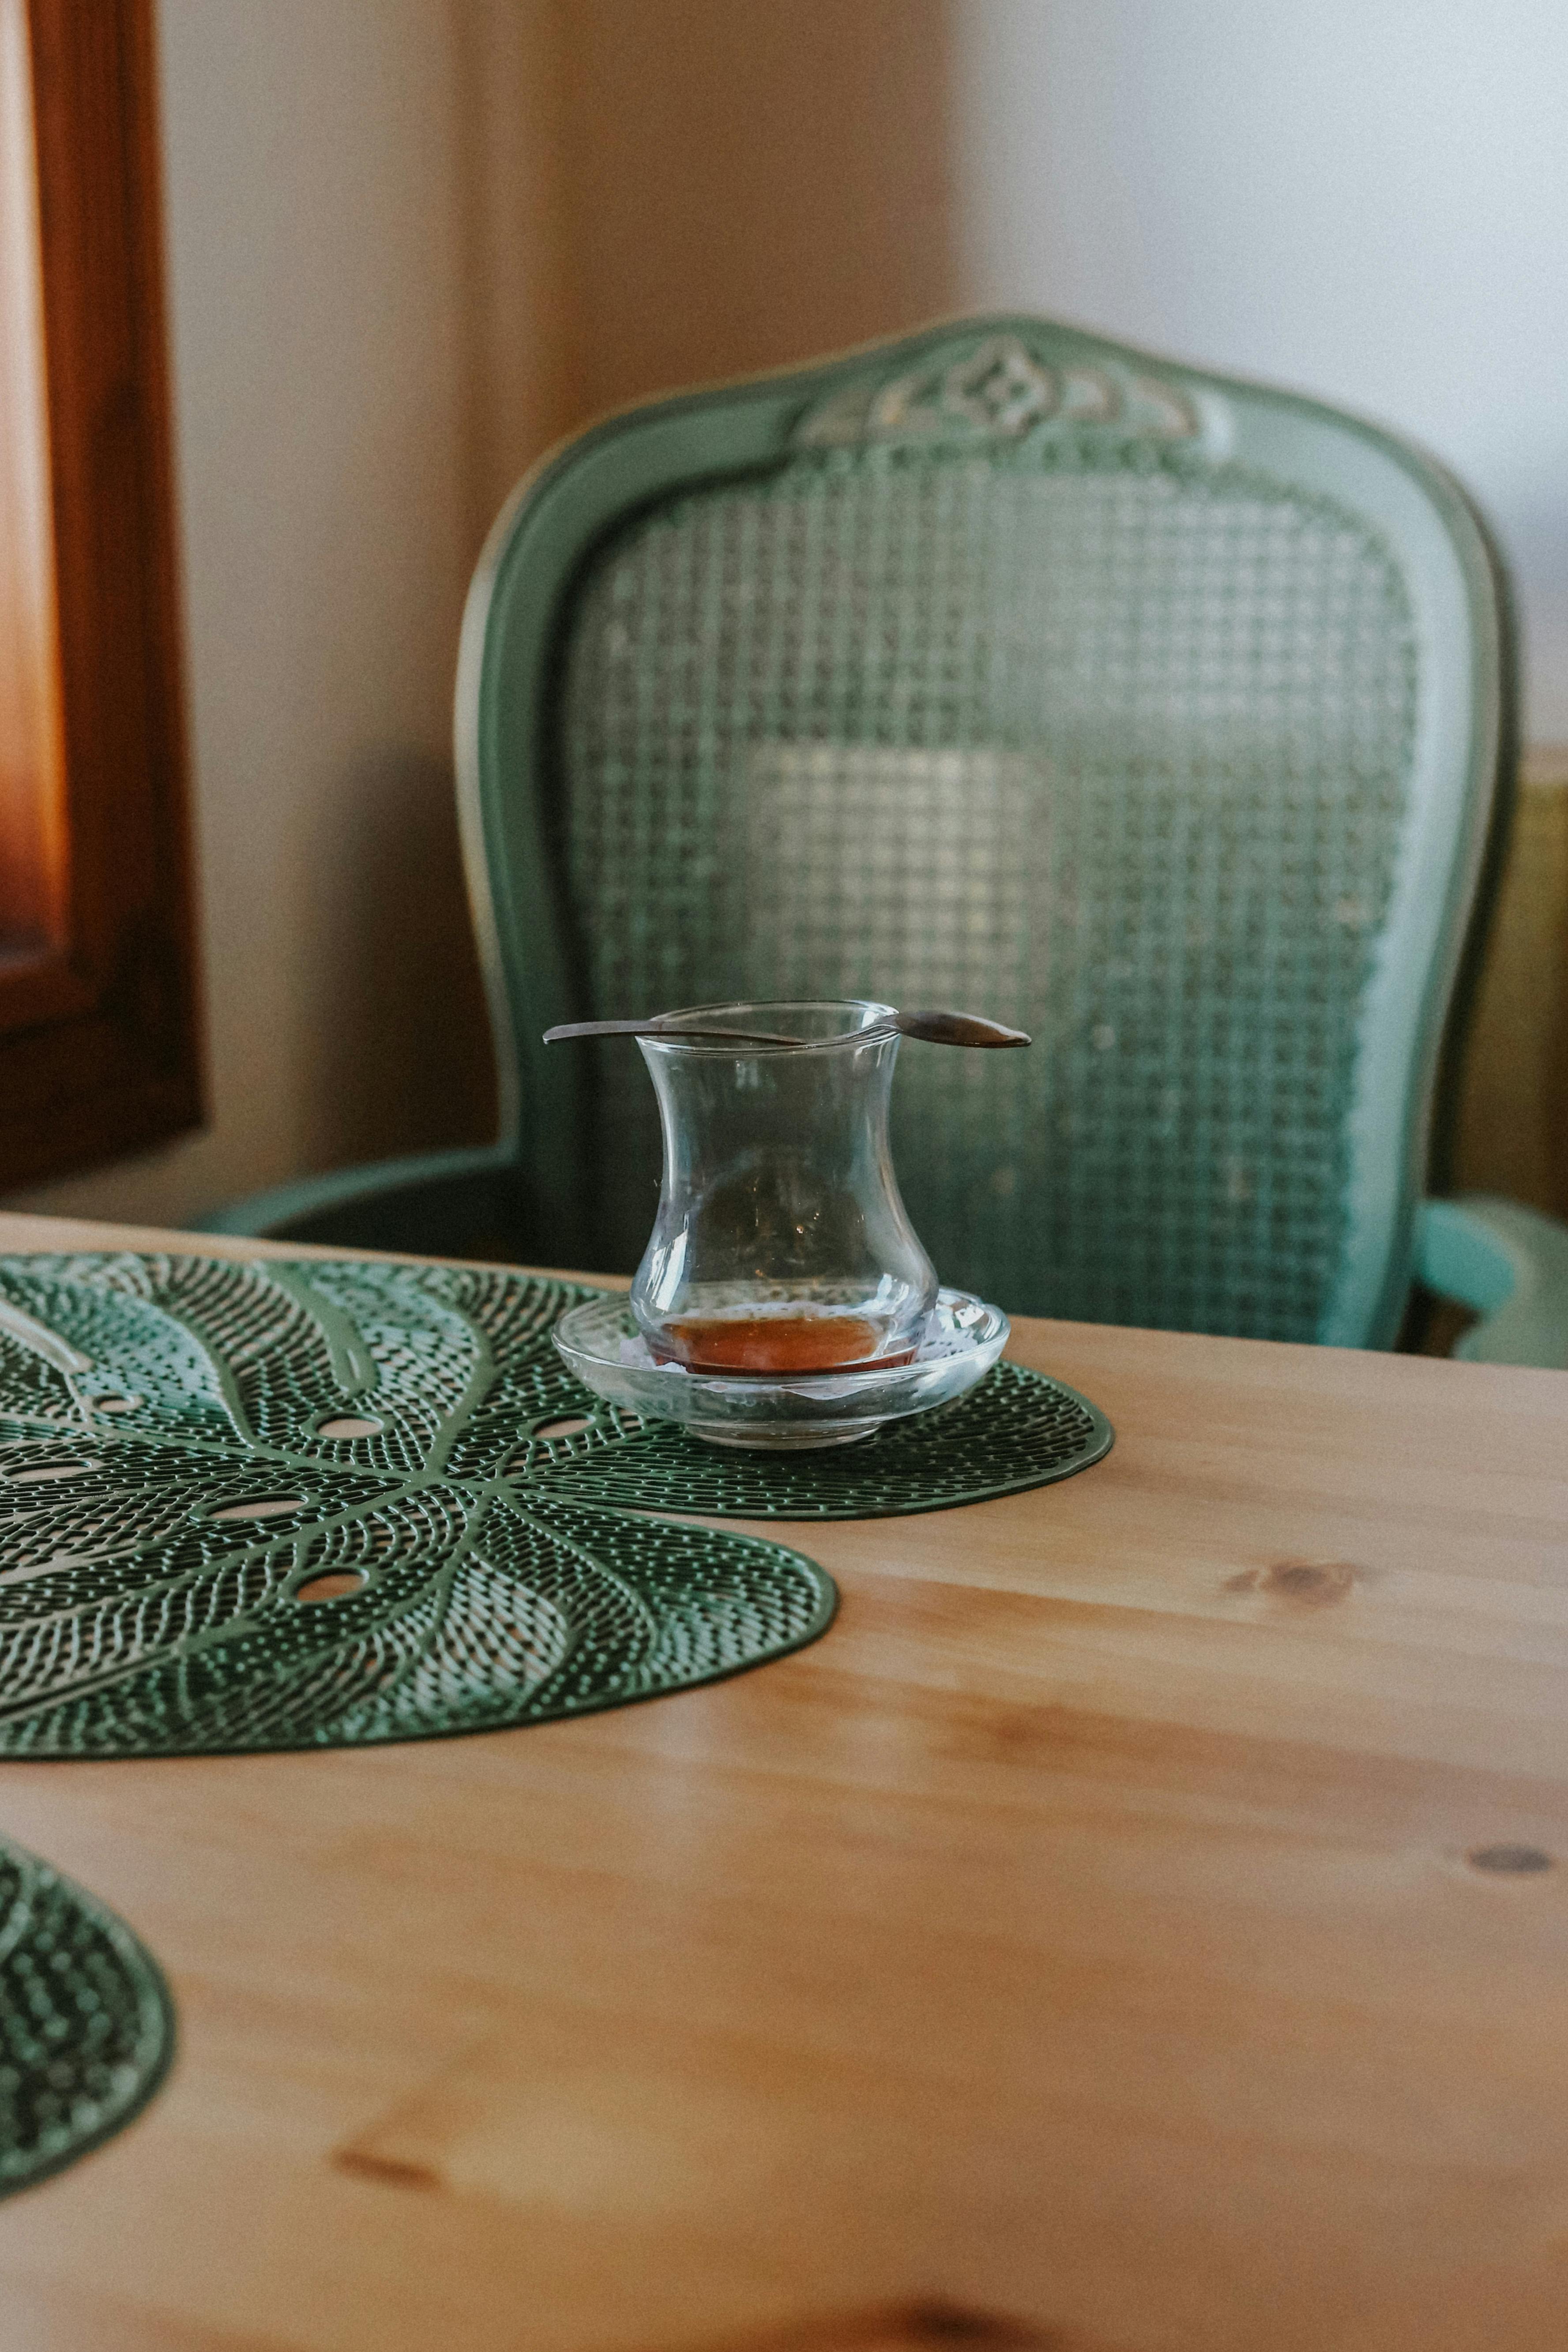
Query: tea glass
x,y
781,1245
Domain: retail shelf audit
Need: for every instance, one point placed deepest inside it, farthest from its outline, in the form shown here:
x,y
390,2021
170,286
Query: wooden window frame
x,y
99,1013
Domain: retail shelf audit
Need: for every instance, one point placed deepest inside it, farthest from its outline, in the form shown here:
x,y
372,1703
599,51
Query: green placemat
x,y
260,1505
270,1504
1017,1430
87,2028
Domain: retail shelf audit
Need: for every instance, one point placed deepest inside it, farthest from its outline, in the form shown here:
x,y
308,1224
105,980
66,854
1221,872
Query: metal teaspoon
x,y
937,1028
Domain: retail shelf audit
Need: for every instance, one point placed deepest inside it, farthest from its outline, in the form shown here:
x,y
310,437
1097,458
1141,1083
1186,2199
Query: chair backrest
x,y
1007,668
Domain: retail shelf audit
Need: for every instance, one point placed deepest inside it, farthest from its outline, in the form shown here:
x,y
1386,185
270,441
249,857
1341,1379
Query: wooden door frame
x,y
99,1023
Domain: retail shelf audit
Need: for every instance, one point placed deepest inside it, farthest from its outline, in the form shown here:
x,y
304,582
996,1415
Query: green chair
x,y
1009,667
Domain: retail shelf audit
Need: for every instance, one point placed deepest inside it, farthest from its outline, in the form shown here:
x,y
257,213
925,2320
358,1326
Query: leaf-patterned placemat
x,y
1016,1430
263,1504
87,2028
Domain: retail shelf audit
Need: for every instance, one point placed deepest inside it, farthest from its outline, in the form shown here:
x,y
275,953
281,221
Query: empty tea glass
x,y
780,1243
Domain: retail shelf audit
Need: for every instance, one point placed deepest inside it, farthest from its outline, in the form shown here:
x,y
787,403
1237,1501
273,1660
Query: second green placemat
x,y
87,2028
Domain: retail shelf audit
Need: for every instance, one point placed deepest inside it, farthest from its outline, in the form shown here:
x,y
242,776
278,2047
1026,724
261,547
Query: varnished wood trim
x,y
118,1068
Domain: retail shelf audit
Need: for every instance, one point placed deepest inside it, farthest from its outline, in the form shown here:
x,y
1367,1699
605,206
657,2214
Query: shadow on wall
x,y
743,187
648,197
651,197
406,1063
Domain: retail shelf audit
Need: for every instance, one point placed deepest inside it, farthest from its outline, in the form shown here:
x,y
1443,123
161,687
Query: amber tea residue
x,y
773,1343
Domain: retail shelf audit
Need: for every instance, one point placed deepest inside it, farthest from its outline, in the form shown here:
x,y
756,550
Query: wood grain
x,y
1081,1946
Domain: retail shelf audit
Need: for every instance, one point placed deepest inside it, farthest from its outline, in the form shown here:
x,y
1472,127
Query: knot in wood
x,y
1511,1861
1307,1583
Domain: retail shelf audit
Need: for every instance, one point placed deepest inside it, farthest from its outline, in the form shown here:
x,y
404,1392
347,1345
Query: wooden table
x,y
1086,1944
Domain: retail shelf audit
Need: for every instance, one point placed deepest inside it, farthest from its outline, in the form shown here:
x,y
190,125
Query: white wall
x,y
1367,199
314,199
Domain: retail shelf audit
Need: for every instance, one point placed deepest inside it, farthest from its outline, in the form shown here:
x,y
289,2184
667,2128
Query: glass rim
x,y
769,1012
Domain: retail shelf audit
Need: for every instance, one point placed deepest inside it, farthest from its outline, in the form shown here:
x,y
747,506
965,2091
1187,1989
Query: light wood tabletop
x,y
1097,1941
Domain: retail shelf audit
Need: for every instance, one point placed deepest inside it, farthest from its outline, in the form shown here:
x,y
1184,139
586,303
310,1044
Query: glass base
x,y
601,1343
785,1437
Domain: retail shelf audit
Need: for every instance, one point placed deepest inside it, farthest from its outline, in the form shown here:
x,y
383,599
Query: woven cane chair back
x,y
1008,669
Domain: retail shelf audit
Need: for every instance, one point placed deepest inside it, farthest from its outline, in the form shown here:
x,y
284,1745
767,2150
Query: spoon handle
x,y
656,1028
937,1028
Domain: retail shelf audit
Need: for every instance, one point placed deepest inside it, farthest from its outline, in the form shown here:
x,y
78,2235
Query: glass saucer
x,y
600,1342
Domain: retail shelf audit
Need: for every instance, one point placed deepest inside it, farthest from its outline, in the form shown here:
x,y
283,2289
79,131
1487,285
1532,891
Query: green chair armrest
x,y
1508,1263
442,1203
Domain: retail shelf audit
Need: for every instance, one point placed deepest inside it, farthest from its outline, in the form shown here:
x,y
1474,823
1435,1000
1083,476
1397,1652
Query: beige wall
x,y
411,243
751,186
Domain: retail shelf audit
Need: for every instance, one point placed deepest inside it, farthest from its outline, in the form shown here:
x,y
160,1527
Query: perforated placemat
x,y
266,1505
87,2028
1017,1430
